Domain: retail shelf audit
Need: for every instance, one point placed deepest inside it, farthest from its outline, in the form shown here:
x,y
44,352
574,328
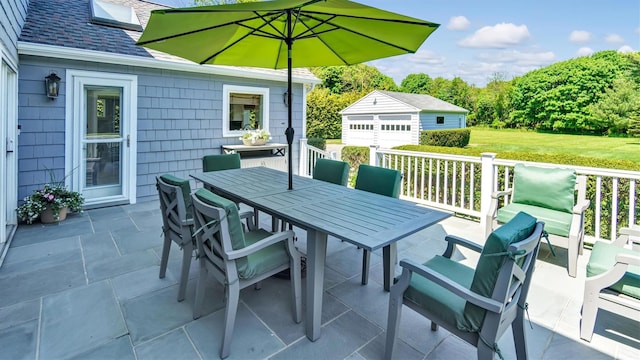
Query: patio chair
x,y
333,171
381,181
221,162
613,280
478,305
549,194
237,259
177,224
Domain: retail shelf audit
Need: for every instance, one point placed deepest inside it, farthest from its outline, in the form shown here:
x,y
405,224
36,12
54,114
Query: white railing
x,y
308,156
463,184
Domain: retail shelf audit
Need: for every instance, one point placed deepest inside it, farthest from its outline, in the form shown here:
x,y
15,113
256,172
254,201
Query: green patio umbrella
x,y
284,34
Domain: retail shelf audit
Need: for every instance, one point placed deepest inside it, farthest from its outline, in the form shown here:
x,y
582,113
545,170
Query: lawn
x,y
492,140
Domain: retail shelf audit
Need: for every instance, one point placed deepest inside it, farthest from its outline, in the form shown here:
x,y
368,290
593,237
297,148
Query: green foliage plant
x,y
449,138
319,143
354,155
54,196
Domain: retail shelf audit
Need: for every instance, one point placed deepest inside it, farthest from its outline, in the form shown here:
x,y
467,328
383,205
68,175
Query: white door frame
x,y
8,143
75,82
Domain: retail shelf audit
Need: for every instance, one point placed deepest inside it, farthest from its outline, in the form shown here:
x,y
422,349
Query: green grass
x,y
334,141
492,140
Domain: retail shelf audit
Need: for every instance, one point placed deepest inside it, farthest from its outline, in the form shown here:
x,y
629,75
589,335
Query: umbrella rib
x,y
237,22
411,22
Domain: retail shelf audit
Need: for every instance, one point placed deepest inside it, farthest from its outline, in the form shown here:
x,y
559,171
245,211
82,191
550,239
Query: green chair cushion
x,y
489,265
551,188
379,180
220,162
186,190
333,171
555,222
426,294
233,217
263,260
603,258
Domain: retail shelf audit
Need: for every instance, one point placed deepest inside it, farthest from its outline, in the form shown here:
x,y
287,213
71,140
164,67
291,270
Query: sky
x,y
479,40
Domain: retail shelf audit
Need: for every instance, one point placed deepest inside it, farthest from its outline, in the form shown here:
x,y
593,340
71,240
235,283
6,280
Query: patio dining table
x,y
367,220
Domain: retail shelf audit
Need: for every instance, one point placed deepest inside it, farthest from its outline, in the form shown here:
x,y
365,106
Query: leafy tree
x,y
557,97
359,78
416,84
617,106
323,112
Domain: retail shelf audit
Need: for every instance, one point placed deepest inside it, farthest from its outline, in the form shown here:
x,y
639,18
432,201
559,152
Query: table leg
x,y
389,258
316,253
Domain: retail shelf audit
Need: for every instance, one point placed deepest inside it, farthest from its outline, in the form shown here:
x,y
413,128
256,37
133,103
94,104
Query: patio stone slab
x,y
32,234
111,267
147,220
119,348
339,339
41,250
376,348
272,304
80,319
98,246
42,262
129,239
156,313
174,345
19,313
139,282
452,348
19,342
251,339
34,284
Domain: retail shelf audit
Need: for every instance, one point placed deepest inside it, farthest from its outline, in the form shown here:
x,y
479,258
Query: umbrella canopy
x,y
284,34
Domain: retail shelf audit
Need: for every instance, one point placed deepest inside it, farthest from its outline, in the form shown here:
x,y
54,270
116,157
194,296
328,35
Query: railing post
x,y
487,177
304,158
373,155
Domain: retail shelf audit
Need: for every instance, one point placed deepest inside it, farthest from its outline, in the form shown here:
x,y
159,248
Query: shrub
x,y
320,143
354,155
449,138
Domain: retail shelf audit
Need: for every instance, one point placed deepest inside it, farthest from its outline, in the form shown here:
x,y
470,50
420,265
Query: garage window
x,y
440,120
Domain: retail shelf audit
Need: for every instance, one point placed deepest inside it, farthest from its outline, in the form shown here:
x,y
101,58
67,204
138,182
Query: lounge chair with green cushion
x,y
238,259
381,181
177,224
613,280
333,171
478,305
549,194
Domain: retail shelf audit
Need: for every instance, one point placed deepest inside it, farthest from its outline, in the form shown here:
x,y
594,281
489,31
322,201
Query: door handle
x,y
128,140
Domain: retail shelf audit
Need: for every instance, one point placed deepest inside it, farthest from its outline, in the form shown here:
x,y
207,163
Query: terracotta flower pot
x,y
47,216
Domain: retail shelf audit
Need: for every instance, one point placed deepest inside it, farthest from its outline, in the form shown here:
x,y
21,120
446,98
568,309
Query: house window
x,y
439,120
244,108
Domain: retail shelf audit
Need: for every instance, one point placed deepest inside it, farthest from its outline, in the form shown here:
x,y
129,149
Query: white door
x,y
8,149
101,150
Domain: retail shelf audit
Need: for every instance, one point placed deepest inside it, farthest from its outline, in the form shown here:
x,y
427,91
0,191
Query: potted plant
x,y
255,137
50,203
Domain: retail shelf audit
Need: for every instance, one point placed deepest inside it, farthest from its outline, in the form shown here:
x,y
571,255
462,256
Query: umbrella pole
x,y
289,132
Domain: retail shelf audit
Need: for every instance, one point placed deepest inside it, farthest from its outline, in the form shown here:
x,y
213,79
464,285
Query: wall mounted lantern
x,y
52,85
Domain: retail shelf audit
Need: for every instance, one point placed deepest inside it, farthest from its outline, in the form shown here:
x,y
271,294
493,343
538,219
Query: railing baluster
x,y
472,187
632,201
614,208
454,181
437,180
422,180
463,167
415,177
445,196
598,206
430,177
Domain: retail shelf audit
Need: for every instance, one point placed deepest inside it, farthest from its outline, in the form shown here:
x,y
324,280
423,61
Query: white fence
x,y
463,184
308,156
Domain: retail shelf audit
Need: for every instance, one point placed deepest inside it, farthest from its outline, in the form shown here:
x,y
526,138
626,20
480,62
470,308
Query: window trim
x,y
440,123
226,95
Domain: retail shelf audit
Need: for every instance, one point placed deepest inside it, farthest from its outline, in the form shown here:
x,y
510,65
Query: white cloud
x,y
638,30
426,57
458,23
626,49
519,58
614,39
579,36
584,51
499,36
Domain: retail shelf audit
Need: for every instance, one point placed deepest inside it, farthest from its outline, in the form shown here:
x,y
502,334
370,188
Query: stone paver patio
x,y
88,288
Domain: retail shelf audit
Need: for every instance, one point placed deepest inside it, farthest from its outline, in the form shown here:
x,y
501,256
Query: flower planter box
x,y
47,216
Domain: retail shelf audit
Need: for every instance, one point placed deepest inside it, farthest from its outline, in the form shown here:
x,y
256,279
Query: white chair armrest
x,y
497,194
581,207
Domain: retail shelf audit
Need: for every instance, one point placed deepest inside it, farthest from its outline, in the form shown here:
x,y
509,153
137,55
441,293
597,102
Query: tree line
x,y
597,94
